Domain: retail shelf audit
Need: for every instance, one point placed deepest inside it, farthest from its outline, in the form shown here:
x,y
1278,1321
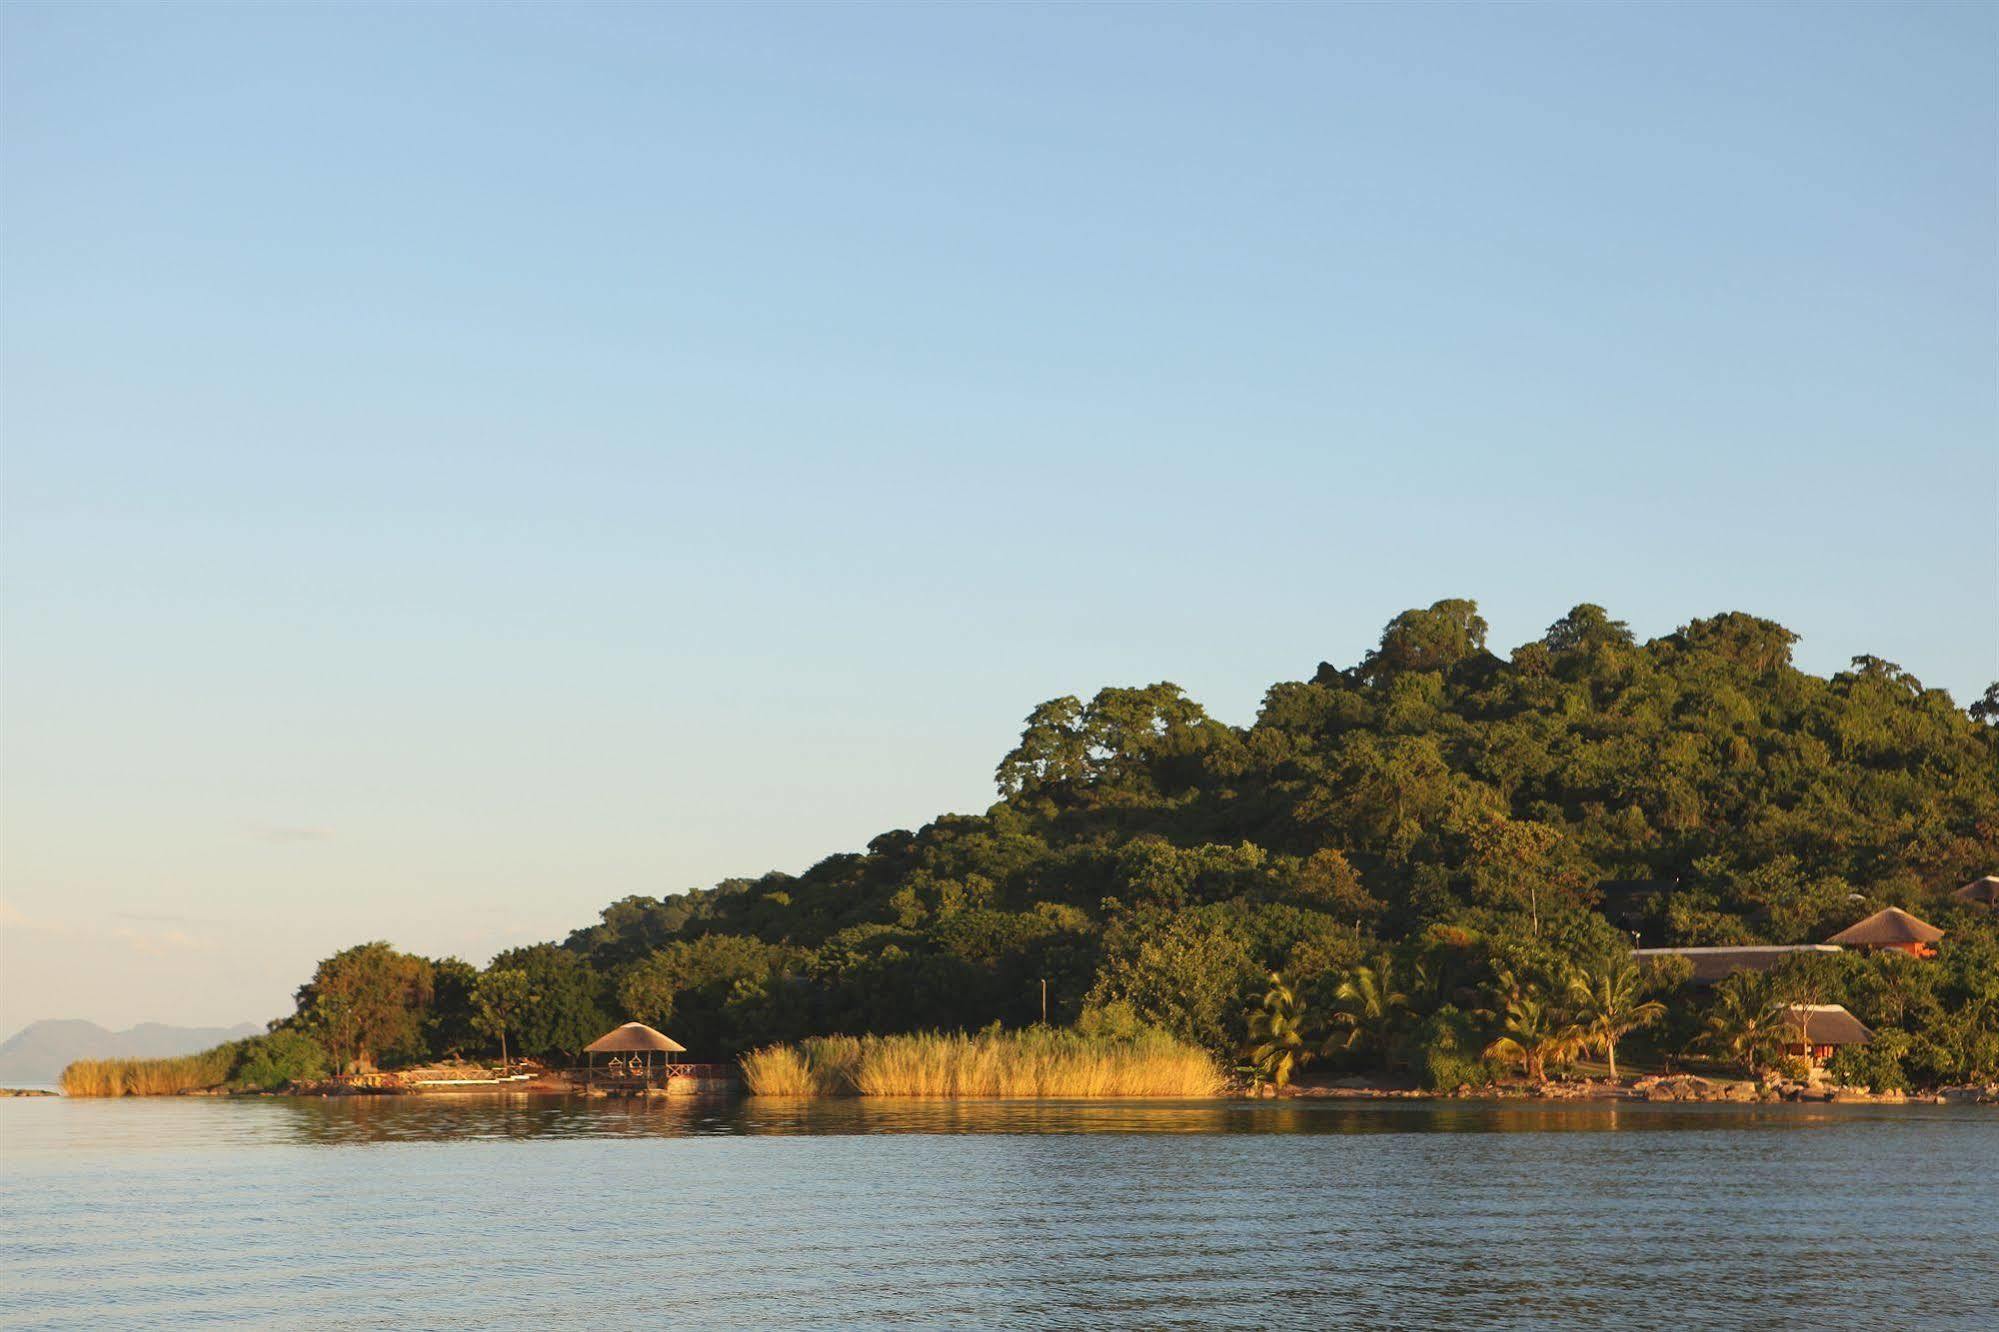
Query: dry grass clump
x,y
148,1077
1038,1062
819,1066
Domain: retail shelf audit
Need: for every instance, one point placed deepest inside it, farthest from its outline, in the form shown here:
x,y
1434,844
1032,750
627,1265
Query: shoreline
x,y
1718,1093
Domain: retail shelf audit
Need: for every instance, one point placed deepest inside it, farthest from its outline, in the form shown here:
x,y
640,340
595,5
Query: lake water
x,y
411,1212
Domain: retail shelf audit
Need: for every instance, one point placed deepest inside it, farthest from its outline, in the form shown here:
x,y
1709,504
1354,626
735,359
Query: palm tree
x,y
1534,1028
1747,1020
1367,1008
1277,1033
1605,1000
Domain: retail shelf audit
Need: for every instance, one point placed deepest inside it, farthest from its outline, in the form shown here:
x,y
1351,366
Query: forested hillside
x,y
1147,852
1437,822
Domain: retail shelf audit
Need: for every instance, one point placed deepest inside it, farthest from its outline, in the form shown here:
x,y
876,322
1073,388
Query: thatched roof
x,y
1886,928
1980,892
633,1036
1825,1024
1712,964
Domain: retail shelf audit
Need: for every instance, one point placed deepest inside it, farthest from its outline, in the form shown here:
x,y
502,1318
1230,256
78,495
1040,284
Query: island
x,y
1591,866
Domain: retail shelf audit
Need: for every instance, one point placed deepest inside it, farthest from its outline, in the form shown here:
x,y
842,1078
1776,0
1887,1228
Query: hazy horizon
x,y
466,466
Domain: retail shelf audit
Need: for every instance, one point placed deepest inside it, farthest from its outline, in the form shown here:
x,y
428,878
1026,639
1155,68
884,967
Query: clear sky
x,y
465,465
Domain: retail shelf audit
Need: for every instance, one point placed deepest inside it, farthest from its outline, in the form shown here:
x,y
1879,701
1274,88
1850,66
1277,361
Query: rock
x,y
1680,1087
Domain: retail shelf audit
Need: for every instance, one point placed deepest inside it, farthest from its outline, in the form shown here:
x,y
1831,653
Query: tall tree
x,y
500,997
1534,1029
1368,1009
1277,1033
1186,971
564,1011
1746,1022
448,1027
1436,639
1606,997
367,1003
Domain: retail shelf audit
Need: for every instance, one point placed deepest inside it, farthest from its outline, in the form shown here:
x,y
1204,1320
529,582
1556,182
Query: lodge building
x,y
1890,929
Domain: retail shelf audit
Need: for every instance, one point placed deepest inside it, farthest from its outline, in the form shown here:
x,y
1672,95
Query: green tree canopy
x,y
501,998
368,1003
563,1011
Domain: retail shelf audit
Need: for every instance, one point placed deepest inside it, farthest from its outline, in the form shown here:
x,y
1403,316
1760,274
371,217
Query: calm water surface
x,y
431,1213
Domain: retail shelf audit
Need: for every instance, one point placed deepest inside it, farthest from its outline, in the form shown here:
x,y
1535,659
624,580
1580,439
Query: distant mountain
x,y
37,1053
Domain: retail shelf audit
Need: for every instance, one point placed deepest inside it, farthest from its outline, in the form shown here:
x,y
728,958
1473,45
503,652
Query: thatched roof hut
x,y
1890,927
634,1037
1980,892
1823,1026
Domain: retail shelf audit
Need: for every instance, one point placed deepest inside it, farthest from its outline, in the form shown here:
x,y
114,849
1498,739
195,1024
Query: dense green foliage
x,y
1418,844
368,1003
266,1063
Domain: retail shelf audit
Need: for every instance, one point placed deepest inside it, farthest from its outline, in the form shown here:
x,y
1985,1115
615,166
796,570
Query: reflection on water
x,y
547,1212
343,1121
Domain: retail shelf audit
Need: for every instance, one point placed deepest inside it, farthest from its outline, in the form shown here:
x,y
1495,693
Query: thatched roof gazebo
x,y
1891,927
1979,892
632,1038
641,1043
1817,1030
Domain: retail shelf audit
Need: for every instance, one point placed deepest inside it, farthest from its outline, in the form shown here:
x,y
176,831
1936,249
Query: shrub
x,y
1446,1070
1877,1066
1114,1021
278,1060
1443,1052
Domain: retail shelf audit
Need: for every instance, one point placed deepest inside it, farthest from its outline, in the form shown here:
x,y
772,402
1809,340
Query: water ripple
x,y
525,1213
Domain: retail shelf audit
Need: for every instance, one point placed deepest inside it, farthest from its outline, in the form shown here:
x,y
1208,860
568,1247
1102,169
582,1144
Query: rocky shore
x,y
1675,1087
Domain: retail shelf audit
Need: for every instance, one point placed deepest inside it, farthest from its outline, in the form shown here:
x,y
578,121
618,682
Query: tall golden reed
x,y
1038,1062
148,1077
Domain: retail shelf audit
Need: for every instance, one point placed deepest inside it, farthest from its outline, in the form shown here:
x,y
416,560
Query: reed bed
x,y
148,1077
1038,1062
819,1066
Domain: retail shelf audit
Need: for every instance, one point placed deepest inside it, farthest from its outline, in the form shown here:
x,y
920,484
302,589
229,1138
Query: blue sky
x,y
464,465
